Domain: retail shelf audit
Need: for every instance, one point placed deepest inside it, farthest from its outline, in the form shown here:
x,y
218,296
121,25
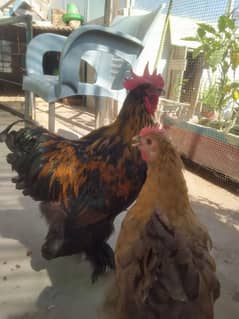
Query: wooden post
x,y
29,32
51,117
108,12
162,41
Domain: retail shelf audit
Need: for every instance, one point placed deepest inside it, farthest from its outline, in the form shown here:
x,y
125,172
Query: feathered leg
x,y
67,238
98,252
54,242
55,217
101,257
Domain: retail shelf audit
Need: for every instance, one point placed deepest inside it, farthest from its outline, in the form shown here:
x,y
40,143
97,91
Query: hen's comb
x,y
135,80
149,130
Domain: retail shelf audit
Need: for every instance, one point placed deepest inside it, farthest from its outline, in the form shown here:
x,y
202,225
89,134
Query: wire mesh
x,y
12,51
205,130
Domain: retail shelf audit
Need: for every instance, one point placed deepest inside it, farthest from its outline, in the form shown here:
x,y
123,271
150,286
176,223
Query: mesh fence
x,y
13,44
201,104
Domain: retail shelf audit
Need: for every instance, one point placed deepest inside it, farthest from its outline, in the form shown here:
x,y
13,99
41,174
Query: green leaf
x,y
225,22
235,85
231,24
216,57
227,89
222,23
196,52
201,32
207,28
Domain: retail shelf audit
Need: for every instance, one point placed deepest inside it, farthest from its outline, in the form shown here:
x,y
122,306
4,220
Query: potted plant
x,y
220,47
209,99
210,143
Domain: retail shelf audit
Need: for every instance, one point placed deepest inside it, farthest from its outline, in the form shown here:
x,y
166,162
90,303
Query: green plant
x,y
220,46
209,97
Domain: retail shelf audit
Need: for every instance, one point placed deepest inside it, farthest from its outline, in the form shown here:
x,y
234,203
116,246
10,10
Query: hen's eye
x,y
148,141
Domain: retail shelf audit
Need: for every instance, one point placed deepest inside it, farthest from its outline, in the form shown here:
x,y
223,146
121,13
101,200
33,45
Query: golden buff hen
x,y
164,268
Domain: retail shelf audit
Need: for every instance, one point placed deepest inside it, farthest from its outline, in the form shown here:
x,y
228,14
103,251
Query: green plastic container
x,y
72,13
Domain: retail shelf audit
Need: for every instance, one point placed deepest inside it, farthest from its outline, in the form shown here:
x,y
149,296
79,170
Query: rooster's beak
x,y
135,141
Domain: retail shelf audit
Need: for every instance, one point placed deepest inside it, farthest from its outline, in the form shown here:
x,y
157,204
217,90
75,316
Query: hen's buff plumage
x,y
164,268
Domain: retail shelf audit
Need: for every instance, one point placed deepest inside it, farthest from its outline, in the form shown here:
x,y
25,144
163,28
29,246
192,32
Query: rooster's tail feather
x,y
9,137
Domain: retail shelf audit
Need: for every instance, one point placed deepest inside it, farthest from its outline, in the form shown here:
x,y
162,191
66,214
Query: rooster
x,y
164,268
83,185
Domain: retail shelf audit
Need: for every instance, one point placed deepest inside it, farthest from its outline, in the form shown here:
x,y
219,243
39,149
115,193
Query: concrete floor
x,y
32,288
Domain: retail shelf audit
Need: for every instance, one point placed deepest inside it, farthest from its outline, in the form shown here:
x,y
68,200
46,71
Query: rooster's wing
x,y
90,177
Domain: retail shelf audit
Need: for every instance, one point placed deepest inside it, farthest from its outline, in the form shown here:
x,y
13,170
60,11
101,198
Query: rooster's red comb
x,y
135,80
149,130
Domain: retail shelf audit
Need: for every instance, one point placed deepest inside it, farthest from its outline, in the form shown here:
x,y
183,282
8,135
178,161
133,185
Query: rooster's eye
x,y
148,141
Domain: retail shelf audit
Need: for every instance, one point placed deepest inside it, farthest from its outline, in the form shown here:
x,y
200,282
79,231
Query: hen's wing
x,y
90,176
167,277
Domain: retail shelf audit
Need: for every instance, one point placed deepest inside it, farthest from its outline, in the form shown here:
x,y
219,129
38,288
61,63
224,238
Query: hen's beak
x,y
135,141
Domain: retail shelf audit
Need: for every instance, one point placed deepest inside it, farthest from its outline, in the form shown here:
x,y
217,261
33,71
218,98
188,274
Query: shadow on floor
x,y
70,294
